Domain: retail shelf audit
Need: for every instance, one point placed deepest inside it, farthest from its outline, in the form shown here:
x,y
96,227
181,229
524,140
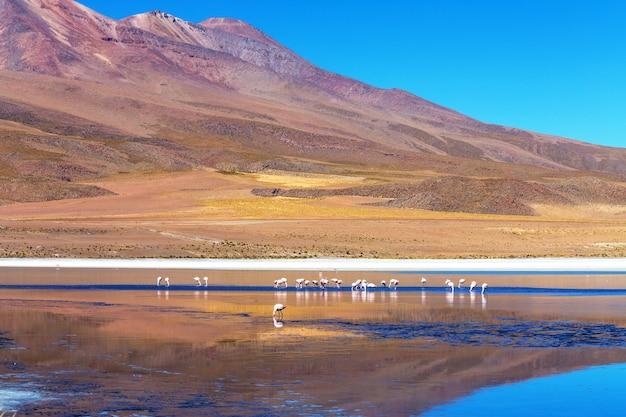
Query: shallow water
x,y
135,350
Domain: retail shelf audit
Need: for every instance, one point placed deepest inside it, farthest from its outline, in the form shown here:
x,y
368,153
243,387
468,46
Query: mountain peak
x,y
238,27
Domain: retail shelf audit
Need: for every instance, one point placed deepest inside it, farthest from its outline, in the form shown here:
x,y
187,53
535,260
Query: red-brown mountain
x,y
85,96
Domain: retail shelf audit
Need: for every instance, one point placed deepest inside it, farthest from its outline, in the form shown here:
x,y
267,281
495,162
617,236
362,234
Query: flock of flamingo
x,y
358,285
472,286
323,283
197,280
363,285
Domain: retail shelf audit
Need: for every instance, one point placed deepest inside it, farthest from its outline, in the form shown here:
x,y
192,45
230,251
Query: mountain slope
x,y
154,92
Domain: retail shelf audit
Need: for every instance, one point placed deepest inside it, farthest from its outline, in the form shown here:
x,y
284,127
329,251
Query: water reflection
x,y
338,353
586,392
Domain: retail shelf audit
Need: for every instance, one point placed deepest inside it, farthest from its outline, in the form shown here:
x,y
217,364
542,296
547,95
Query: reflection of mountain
x,y
173,361
85,96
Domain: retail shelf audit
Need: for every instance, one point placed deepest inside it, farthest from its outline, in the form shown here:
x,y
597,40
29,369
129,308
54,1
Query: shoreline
x,y
529,265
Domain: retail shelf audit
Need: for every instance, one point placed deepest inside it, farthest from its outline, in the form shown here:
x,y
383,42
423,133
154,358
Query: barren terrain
x,y
205,213
155,137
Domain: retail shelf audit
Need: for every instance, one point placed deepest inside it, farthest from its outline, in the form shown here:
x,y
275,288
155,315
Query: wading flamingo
x,y
278,310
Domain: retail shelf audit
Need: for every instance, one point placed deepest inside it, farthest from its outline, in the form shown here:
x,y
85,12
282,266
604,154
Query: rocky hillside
x,y
85,96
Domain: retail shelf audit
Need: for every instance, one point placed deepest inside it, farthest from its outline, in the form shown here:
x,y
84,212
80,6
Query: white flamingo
x,y
393,283
206,281
484,287
450,284
472,286
280,283
278,310
337,282
299,282
197,279
159,279
461,282
424,281
167,281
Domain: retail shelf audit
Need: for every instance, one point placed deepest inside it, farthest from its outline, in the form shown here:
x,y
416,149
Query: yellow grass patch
x,y
295,208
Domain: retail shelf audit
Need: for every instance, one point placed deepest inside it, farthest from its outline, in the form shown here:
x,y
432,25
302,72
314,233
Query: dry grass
x,y
207,214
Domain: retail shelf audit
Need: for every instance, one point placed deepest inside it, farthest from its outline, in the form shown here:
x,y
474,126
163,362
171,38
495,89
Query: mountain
x,y
85,96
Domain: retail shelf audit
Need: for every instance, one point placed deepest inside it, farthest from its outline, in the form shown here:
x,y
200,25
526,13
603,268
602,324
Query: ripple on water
x,y
505,333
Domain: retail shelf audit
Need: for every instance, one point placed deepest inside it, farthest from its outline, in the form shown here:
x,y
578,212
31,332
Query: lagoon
x,y
108,341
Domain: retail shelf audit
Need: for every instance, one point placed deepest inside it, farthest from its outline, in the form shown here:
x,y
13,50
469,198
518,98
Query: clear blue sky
x,y
550,66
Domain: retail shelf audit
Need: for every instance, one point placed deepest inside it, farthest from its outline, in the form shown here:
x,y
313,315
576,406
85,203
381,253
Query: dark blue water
x,y
596,391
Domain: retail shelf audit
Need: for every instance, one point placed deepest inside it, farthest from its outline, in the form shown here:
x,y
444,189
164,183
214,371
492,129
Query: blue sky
x,y
549,66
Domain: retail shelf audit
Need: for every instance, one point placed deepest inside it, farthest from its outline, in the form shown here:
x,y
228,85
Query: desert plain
x,y
206,213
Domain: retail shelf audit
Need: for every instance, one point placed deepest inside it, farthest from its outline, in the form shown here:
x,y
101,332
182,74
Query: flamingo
x,y
159,281
461,282
472,286
451,285
393,283
423,281
278,310
206,281
299,282
484,287
280,283
197,279
167,281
